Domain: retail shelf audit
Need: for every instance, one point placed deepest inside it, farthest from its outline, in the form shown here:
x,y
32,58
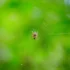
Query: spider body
x,y
34,35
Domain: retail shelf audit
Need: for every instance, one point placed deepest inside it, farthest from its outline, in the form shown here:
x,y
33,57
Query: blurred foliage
x,y
50,50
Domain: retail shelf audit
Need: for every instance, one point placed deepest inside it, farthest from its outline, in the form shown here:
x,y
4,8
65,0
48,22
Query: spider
x,y
34,35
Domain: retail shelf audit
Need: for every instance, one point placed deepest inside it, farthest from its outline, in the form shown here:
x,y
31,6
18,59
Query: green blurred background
x,y
51,49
